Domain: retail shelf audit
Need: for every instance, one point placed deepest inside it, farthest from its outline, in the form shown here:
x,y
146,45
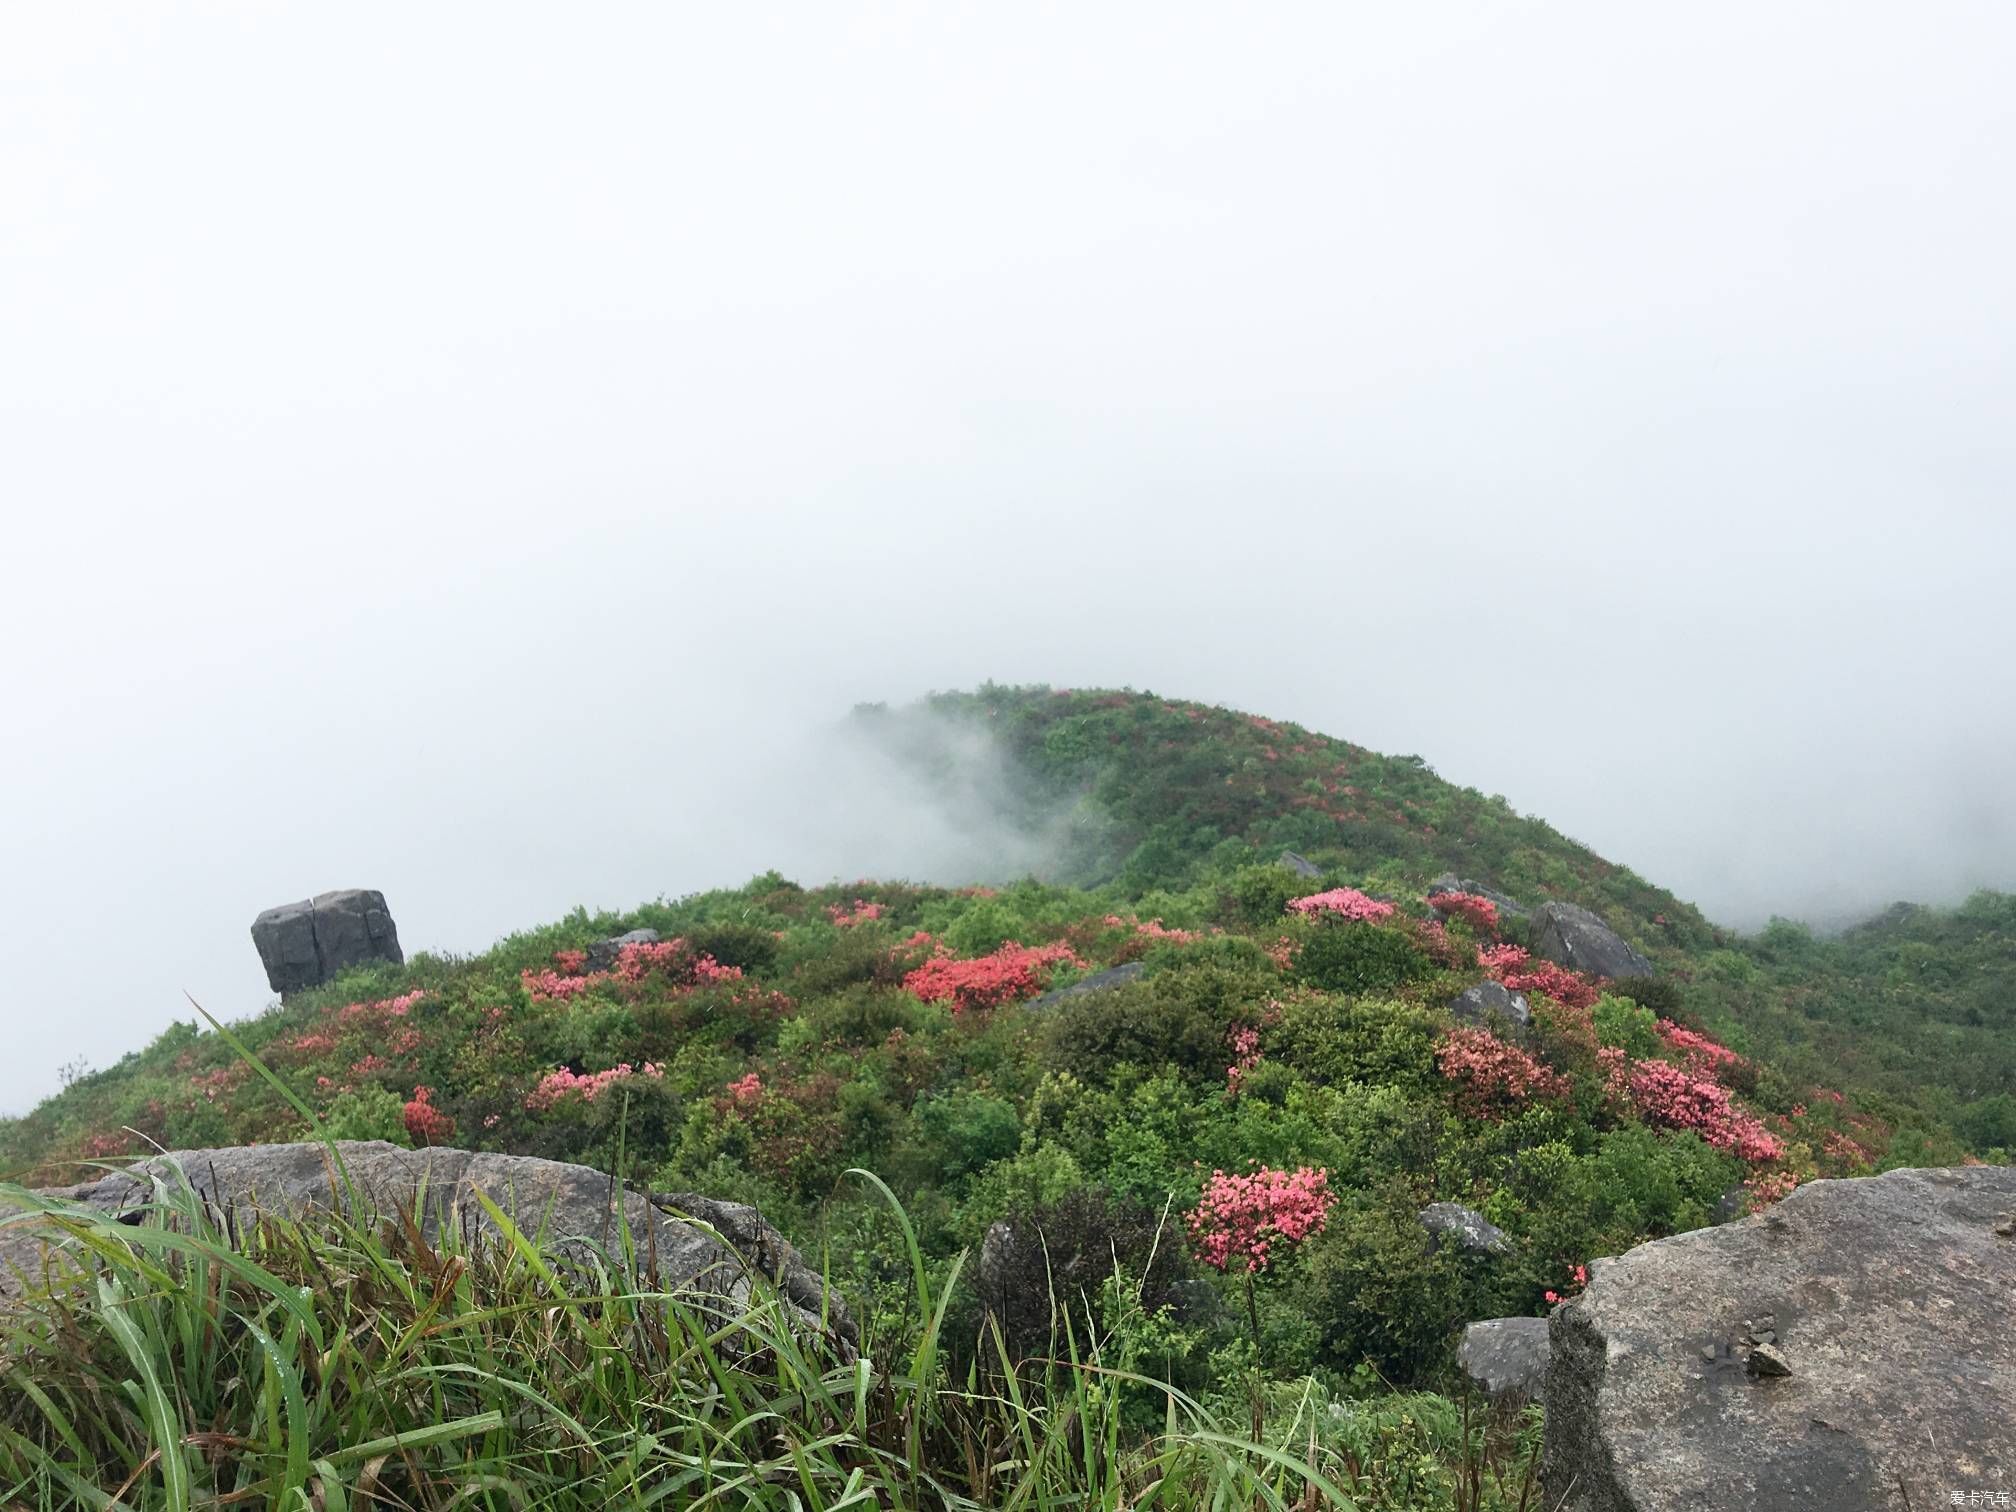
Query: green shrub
x,y
1343,956
1178,1018
367,1113
968,1130
1377,1040
748,946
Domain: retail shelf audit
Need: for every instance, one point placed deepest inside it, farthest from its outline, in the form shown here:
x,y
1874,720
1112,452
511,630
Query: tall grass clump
x,y
351,1360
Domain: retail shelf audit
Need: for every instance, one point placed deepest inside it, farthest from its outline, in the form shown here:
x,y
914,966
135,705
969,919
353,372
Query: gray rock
x,y
1852,1347
1099,981
574,1208
1302,866
1508,907
1576,938
1507,1357
603,953
306,944
1467,1228
1488,1000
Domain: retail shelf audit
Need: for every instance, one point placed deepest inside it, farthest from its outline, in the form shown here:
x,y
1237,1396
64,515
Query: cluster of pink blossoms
x,y
1510,965
353,1019
1677,1099
1767,1187
1154,929
550,986
1342,903
1492,1077
425,1123
861,913
1007,975
1480,913
1241,1221
674,959
1577,1278
747,1091
1244,1040
393,1007
223,1079
556,1086
1701,1054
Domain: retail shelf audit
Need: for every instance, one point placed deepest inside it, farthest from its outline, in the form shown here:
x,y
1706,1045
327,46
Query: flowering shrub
x,y
425,1123
1343,903
353,1021
1675,1099
1154,929
549,986
1578,1277
1246,1054
1767,1187
1240,1222
209,1085
1007,975
861,913
746,1091
570,961
1510,965
1699,1054
557,1086
1493,1078
673,960
1480,913
1440,946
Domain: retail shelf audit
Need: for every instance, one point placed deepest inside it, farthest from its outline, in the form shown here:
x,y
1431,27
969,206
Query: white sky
x,y
459,449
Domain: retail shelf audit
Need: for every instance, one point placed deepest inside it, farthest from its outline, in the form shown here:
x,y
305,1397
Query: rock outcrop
x,y
1576,938
306,944
1489,1000
1099,981
1507,1357
1467,1229
578,1211
1852,1347
1302,866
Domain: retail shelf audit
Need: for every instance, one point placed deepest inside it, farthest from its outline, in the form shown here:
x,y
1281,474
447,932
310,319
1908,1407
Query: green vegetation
x,y
345,1365
779,1037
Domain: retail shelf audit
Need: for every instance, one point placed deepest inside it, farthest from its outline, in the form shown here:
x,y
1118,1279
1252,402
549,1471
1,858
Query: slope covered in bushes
x,y
776,1035
1218,1164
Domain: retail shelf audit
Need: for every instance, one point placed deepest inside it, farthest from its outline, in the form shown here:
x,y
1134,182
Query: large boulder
x,y
1507,1357
306,944
1576,938
1489,1001
1852,1347
1302,866
579,1212
1099,981
1465,1228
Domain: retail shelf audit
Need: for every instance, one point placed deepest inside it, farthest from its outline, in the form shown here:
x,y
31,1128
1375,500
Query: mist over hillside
x,y
923,791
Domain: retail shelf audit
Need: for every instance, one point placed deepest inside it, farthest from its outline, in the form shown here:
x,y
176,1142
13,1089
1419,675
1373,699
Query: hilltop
x,y
1272,997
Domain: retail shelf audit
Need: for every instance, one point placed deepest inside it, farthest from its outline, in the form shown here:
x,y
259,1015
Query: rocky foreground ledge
x,y
1852,1347
578,1209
